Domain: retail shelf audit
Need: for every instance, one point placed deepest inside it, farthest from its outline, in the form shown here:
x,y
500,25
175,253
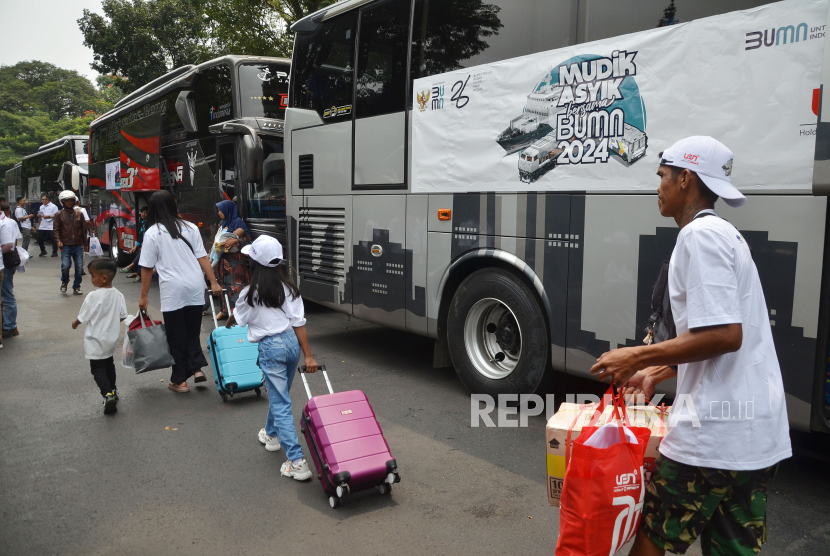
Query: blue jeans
x,y
8,300
278,358
72,253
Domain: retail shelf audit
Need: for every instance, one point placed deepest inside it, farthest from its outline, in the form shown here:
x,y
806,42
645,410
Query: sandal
x,y
137,279
132,275
125,270
199,376
221,315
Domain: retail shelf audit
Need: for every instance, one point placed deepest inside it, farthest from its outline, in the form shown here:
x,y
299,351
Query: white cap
x,y
711,161
66,196
263,250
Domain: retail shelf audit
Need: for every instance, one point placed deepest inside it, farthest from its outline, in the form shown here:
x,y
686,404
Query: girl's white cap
x,y
263,250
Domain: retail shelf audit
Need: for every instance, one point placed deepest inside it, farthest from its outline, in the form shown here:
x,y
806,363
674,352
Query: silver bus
x,y
518,283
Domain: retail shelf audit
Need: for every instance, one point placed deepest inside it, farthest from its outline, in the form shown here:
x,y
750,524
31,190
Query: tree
x,y
30,86
40,103
141,40
246,27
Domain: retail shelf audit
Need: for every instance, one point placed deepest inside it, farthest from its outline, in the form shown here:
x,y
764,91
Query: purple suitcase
x,y
346,443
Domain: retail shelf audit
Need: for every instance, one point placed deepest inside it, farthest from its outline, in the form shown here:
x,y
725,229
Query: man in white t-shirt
x,y
46,224
728,427
9,231
22,215
7,240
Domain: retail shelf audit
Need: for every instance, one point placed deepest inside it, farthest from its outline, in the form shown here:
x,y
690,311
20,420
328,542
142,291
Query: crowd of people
x,y
252,274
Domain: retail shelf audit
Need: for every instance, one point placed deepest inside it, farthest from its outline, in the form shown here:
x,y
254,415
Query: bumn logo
x,y
627,478
782,35
690,158
625,526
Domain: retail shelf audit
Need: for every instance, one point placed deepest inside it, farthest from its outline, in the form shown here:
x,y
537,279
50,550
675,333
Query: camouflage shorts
x,y
727,509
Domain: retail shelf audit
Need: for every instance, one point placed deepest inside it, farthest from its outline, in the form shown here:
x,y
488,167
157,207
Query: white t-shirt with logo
x,y
47,224
181,281
737,397
19,213
102,312
265,321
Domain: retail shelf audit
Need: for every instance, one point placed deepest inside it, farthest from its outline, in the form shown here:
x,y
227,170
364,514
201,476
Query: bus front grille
x,y
322,244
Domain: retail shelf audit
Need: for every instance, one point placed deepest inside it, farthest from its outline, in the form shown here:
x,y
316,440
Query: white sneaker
x,y
300,472
272,443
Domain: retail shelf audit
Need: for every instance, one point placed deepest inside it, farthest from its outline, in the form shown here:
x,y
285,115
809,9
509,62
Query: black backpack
x,y
660,325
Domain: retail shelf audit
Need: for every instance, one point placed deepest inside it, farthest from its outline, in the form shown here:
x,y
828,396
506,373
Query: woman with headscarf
x,y
232,268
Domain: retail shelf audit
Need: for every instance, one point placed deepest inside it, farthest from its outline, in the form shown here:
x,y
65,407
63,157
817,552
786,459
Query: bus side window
x,y
323,68
381,59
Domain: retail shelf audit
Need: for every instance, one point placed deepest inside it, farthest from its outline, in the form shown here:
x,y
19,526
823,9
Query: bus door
x,y
263,199
380,266
227,174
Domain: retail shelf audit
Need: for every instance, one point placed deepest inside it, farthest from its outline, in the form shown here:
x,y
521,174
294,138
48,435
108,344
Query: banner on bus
x,y
594,117
113,175
140,148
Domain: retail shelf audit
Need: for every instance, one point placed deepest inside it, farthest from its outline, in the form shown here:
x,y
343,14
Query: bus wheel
x,y
497,334
116,254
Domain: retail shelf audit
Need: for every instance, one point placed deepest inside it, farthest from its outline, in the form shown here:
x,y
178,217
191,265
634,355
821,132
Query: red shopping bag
x,y
603,491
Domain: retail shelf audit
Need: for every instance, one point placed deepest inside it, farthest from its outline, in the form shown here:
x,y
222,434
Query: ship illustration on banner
x,y
583,111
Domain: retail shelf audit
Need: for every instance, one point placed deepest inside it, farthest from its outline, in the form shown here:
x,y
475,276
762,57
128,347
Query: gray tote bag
x,y
150,349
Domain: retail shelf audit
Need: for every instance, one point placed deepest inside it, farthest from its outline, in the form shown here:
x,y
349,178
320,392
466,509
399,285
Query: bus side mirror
x,y
75,178
249,156
186,111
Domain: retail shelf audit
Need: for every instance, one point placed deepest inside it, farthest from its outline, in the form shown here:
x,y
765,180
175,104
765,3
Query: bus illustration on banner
x,y
584,110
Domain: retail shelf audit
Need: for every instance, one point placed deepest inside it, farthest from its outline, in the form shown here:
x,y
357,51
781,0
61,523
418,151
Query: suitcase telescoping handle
x,y
305,382
213,309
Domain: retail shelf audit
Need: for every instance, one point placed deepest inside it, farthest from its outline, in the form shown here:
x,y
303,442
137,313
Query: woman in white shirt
x,y
175,249
273,310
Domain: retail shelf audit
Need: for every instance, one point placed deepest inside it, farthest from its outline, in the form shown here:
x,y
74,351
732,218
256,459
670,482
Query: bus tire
x,y
497,334
116,254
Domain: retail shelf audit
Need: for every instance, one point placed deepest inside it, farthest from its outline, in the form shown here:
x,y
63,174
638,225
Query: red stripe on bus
x,y
150,145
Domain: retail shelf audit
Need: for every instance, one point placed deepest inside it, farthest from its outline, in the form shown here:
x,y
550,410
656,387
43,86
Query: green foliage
x,y
140,40
245,27
40,103
33,86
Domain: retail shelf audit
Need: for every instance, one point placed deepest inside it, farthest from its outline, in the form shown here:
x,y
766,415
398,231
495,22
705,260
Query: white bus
x,y
408,120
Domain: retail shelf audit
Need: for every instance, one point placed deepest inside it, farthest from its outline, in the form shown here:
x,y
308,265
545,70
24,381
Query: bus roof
x,y
176,79
310,22
59,142
56,144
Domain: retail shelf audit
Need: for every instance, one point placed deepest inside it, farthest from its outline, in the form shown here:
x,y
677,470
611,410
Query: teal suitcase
x,y
234,360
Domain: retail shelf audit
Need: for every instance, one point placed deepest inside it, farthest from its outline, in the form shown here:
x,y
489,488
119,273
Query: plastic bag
x,y
24,258
604,487
95,249
127,355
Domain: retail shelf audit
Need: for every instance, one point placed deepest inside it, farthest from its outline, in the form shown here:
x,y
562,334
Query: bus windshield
x,y
264,90
81,153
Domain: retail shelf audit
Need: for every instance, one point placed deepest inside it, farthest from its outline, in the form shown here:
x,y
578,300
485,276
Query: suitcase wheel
x,y
334,501
258,391
223,396
385,488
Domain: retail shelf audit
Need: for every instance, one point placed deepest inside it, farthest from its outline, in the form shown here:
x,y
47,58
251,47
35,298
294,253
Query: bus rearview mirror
x,y
75,178
186,111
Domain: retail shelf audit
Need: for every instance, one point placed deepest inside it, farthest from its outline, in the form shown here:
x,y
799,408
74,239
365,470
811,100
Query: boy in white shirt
x,y
102,312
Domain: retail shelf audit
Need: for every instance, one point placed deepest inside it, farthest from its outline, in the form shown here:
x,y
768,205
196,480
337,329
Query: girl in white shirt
x,y
272,309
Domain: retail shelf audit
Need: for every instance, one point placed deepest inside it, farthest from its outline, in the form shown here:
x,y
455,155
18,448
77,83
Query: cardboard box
x,y
556,434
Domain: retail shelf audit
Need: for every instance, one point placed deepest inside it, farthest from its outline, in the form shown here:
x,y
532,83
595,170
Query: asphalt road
x,y
73,481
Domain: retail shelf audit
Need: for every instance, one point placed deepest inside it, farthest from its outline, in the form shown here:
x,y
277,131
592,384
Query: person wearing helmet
x,y
70,233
